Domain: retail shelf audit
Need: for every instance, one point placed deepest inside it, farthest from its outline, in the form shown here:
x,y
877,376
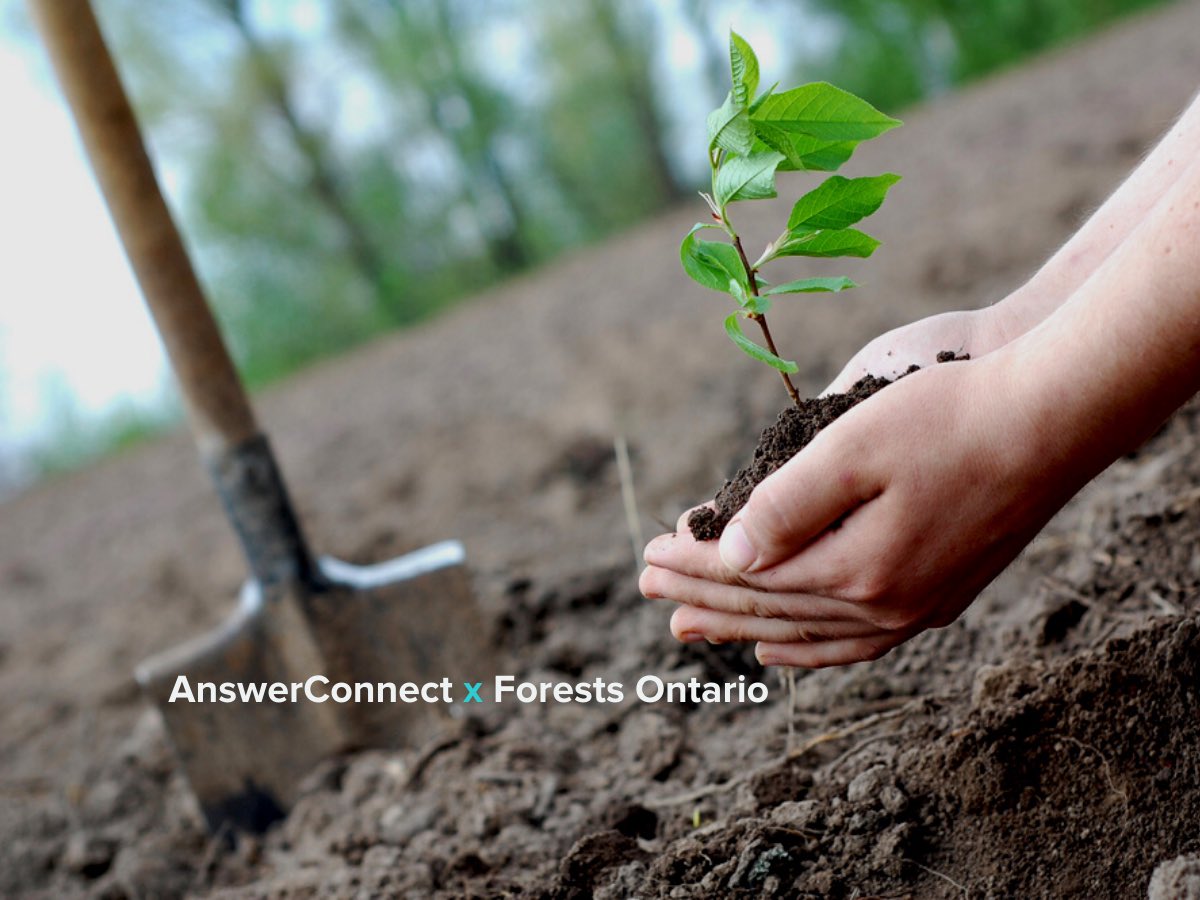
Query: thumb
x,y
851,372
820,485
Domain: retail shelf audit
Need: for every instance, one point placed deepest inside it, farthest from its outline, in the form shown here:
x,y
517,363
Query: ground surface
x,y
1046,745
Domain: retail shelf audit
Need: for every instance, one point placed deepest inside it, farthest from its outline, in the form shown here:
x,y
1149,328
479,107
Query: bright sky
x,y
71,318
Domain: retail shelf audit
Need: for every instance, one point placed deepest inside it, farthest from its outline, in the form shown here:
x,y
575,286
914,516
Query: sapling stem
x,y
787,380
760,318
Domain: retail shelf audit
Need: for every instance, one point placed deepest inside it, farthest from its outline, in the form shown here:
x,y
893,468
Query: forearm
x,y
1114,361
1105,230
982,331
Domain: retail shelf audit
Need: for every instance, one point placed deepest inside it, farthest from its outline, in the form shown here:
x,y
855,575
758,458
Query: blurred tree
x,y
897,51
714,54
484,113
593,143
290,257
416,51
889,53
269,68
631,47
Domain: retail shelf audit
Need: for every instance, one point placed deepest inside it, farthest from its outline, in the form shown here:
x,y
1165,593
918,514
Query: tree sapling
x,y
814,127
751,137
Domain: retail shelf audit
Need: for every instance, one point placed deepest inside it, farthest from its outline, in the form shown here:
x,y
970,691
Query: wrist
x,y
1042,449
1072,415
1023,309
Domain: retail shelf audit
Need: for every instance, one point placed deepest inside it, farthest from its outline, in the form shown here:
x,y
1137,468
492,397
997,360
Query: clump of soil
x,y
779,442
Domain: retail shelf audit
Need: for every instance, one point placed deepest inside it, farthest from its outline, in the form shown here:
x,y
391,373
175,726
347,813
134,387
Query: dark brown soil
x,y
1044,745
789,434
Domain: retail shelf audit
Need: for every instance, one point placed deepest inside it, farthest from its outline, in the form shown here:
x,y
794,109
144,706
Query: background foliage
x,y
345,167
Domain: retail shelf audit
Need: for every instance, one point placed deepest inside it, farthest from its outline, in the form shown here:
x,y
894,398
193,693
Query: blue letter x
x,y
472,691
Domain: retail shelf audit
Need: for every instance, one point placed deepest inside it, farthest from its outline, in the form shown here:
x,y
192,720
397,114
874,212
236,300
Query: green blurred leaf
x,y
826,112
712,264
841,242
840,202
733,328
746,178
812,285
743,66
729,128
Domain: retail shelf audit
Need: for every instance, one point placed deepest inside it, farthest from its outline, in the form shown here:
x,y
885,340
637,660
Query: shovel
x,y
302,622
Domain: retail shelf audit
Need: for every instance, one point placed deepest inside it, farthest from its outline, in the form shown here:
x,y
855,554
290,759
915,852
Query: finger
x,y
831,566
728,628
850,562
818,655
818,486
663,584
682,553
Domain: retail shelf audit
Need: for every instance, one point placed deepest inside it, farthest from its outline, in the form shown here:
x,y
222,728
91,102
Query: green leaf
x,y
733,328
729,128
802,152
712,264
743,66
748,302
840,202
812,285
841,242
761,97
738,292
746,178
758,305
826,112
821,156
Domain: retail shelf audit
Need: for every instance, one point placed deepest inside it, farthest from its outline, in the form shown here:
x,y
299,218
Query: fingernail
x,y
658,549
691,637
735,549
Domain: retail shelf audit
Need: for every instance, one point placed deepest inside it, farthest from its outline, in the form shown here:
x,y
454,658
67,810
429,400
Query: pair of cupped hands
x,y
899,513
889,522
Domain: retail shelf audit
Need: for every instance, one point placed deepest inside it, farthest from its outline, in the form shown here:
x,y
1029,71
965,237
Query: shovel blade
x,y
244,751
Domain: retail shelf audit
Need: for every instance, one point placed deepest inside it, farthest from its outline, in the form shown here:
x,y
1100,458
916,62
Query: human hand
x,y
973,332
891,521
901,511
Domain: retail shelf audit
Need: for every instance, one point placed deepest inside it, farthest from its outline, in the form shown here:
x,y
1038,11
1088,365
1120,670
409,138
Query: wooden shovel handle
x,y
217,405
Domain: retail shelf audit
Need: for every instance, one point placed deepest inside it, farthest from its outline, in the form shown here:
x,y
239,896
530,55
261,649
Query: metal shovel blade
x,y
412,619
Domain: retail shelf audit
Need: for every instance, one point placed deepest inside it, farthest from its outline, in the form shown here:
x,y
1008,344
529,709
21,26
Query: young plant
x,y
814,127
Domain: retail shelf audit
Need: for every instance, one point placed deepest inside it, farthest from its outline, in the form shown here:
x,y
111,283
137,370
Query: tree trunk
x,y
325,184
633,71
